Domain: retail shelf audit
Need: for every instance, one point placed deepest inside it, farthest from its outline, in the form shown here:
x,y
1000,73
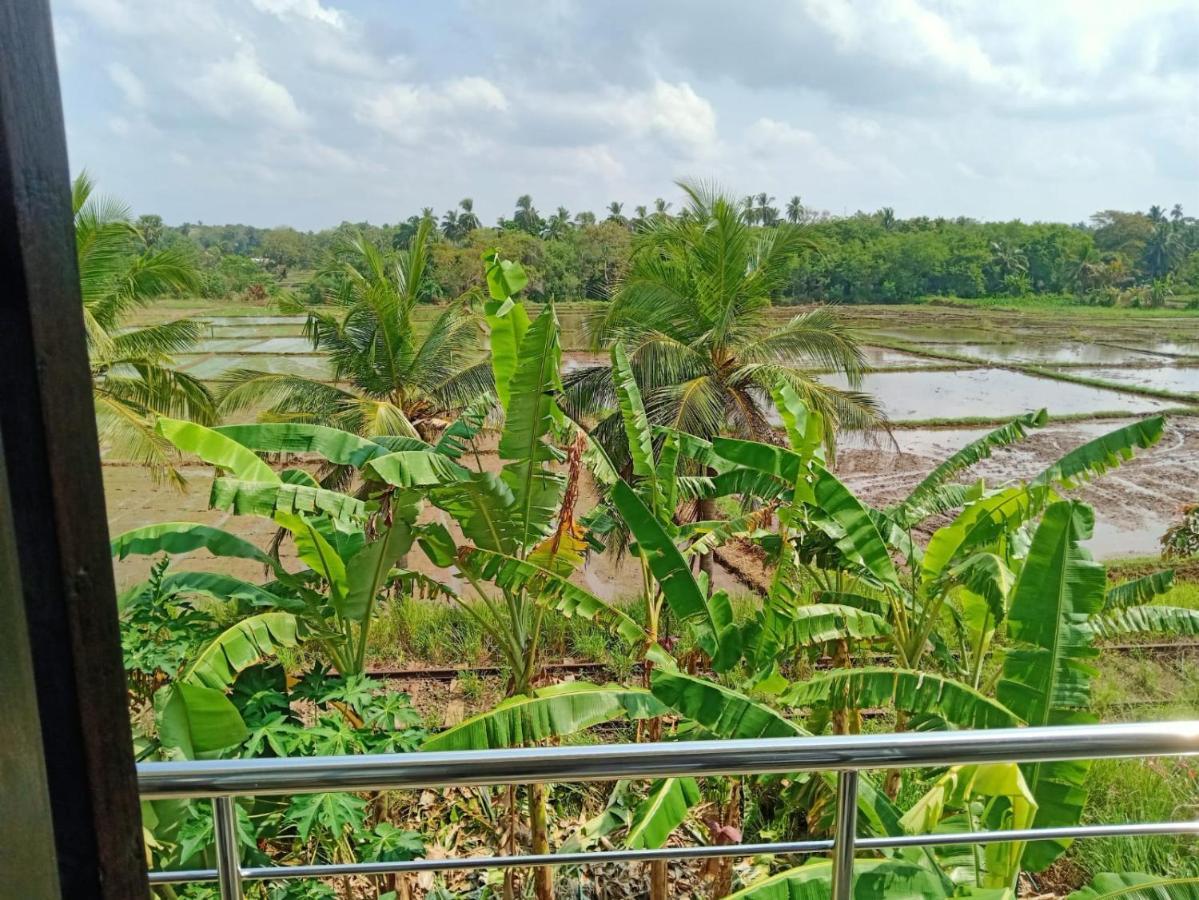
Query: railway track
x,y
449,673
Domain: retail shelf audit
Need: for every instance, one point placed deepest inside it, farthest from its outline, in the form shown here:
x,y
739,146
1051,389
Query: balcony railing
x,y
224,780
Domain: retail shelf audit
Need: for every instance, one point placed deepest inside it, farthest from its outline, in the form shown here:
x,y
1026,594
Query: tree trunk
x,y
892,781
659,880
543,876
510,842
705,510
841,661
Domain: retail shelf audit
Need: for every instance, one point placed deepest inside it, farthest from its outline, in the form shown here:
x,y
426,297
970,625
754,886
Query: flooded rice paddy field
x,y
1002,364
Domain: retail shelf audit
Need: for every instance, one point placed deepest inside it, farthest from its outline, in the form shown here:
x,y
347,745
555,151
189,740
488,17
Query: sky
x,y
313,112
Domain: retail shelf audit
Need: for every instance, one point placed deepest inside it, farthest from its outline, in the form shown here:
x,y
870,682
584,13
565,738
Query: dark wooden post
x,y
58,533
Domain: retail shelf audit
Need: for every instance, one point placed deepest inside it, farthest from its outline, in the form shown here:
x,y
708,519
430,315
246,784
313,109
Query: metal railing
x,y
225,780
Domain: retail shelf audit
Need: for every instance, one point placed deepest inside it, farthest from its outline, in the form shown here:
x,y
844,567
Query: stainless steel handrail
x,y
225,779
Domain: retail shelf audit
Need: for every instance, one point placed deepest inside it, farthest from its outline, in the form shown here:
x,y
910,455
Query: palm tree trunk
x,y
705,509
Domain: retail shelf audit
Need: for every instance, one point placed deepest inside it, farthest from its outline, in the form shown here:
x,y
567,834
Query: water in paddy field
x,y
281,345
885,358
1048,352
239,321
915,396
1179,379
207,367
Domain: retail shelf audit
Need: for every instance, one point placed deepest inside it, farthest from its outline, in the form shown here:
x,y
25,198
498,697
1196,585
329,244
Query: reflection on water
x,y
906,396
1045,352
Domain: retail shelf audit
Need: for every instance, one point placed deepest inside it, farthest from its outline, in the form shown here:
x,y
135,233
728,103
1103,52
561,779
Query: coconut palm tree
x,y
527,218
451,227
795,210
1156,214
616,213
467,220
134,379
385,379
585,218
557,225
694,315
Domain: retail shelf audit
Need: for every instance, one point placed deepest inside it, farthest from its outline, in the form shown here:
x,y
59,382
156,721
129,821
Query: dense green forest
x,y
1117,258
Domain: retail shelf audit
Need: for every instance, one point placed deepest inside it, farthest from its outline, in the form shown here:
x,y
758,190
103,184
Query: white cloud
x,y
128,83
311,10
770,137
412,113
238,84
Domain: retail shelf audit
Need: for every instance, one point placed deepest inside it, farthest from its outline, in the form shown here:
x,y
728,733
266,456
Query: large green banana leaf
x,y
194,720
186,537
342,448
551,712
1139,590
548,589
1046,680
1173,620
219,587
266,498
979,524
367,570
722,711
1137,886
415,468
805,428
315,550
240,646
661,812
216,449
1095,457
453,441
695,448
779,628
973,452
862,541
783,464
679,587
921,693
873,880
483,509
637,429
536,490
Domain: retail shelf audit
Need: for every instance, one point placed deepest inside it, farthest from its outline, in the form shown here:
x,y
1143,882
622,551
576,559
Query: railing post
x,y
845,835
228,855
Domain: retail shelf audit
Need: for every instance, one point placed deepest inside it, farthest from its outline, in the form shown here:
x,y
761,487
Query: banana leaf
x,y
240,646
921,693
1139,590
1046,680
978,525
536,490
637,429
453,441
722,711
1095,457
367,570
805,429
678,585
872,880
342,448
315,550
195,721
217,586
483,508
551,712
973,452
861,541
1137,886
415,468
1172,620
266,498
548,589
661,812
186,537
216,449
507,322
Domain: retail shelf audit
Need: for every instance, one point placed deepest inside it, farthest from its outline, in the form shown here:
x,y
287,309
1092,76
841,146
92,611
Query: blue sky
x,y
311,112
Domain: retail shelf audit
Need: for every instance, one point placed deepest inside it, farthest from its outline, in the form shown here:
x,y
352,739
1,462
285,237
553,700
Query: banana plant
x,y
350,545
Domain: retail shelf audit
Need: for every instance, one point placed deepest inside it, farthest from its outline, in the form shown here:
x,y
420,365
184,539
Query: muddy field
x,y
928,363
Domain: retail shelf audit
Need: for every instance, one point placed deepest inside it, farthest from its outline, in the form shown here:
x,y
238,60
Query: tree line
x,y
1140,258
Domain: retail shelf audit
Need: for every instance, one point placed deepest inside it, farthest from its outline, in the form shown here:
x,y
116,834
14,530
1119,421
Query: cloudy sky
x,y
310,112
